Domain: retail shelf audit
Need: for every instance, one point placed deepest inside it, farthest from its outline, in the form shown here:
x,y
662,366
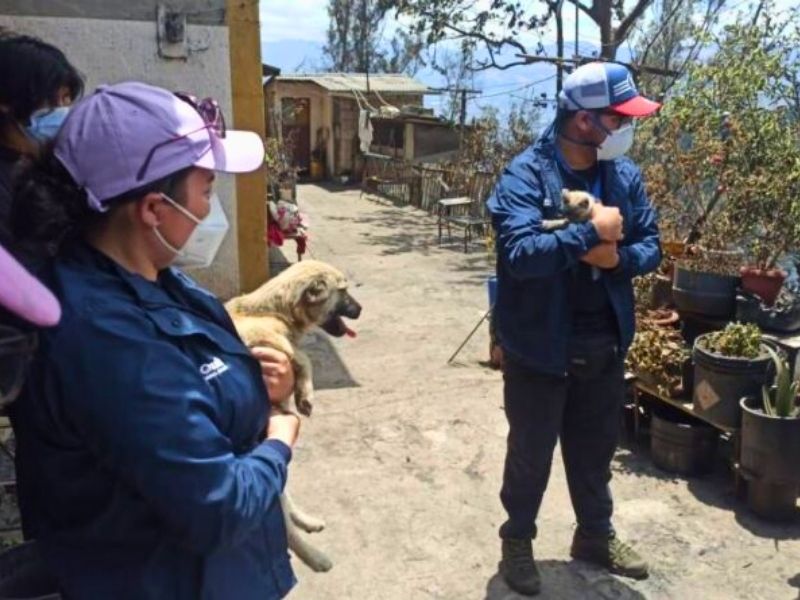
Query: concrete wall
x,y
109,51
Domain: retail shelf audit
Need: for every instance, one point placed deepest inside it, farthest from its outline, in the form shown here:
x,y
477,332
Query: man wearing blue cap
x,y
564,314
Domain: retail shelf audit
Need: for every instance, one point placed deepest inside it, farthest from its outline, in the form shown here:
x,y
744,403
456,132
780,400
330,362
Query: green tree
x,y
722,158
356,41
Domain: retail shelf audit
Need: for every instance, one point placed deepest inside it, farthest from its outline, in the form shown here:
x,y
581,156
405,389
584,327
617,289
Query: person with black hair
x,y
564,314
149,465
37,86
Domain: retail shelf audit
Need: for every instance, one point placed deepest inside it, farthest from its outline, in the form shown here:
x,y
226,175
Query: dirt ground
x,y
403,456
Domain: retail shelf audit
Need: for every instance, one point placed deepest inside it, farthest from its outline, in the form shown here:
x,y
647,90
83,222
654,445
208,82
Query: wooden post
x,y
248,113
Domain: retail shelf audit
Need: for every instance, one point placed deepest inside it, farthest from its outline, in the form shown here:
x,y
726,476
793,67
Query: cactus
x,y
779,401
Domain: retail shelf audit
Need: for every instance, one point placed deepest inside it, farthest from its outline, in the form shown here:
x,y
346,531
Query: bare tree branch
x,y
711,13
621,33
665,23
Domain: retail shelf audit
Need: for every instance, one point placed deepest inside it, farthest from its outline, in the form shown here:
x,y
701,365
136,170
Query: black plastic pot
x,y
681,444
661,293
704,293
770,445
720,382
750,310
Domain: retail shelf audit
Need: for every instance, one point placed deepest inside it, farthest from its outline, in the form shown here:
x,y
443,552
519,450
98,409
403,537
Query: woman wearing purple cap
x,y
148,464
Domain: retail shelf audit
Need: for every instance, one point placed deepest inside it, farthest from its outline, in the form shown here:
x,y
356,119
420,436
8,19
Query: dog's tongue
x,y
349,332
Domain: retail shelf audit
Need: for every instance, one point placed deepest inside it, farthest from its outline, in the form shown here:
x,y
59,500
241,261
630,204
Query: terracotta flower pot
x,y
674,249
662,318
766,284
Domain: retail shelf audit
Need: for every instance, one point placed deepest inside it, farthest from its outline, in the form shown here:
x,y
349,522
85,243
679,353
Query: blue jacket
x,y
142,468
532,313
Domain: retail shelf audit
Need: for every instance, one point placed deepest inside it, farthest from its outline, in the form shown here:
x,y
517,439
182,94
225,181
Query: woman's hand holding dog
x,y
283,427
277,371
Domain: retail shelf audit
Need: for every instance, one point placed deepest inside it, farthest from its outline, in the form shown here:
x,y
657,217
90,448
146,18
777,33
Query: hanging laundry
x,y
364,130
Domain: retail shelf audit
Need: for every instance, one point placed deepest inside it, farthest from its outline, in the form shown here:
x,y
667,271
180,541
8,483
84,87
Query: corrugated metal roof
x,y
347,82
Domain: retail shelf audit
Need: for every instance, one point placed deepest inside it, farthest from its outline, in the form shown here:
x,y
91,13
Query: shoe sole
x,y
638,575
516,590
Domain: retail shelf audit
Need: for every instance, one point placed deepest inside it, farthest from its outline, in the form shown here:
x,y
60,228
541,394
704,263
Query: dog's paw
x,y
320,563
304,407
308,524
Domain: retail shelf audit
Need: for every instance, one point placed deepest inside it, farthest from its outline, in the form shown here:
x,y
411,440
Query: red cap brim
x,y
638,106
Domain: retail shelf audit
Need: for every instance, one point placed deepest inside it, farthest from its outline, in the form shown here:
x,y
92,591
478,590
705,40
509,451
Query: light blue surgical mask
x,y
46,122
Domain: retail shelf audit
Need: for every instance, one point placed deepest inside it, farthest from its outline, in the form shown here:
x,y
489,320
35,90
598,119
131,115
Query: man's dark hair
x,y
563,115
31,74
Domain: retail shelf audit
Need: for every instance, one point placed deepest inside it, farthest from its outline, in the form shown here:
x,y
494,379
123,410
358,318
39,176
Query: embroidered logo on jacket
x,y
215,368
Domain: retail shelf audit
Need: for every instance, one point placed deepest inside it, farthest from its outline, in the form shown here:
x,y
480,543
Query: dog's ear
x,y
317,291
564,194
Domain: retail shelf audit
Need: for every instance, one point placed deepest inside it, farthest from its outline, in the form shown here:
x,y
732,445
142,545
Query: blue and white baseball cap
x,y
604,85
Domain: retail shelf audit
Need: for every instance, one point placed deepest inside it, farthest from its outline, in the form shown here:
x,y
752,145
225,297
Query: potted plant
x,y
728,365
658,357
705,282
770,444
720,160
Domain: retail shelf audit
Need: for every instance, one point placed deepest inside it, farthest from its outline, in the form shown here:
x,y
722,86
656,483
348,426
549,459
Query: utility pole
x,y
559,44
365,43
463,91
462,117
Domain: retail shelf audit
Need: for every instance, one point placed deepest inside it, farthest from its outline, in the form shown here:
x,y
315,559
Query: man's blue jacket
x,y
142,467
532,313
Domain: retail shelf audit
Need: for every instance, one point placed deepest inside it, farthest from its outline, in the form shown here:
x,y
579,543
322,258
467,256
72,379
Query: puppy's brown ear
x,y
564,194
317,291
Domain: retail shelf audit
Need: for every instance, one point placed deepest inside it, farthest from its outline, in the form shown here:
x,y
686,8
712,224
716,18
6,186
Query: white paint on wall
x,y
108,51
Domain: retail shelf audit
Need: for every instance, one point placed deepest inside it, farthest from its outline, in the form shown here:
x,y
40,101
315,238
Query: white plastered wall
x,y
109,51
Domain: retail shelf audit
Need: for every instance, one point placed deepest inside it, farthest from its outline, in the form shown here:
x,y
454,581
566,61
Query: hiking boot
x,y
609,552
518,568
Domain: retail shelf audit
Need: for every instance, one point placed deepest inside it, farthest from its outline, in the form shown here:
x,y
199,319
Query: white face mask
x,y
617,143
202,245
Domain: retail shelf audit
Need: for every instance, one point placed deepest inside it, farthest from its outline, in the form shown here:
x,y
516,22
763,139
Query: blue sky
x,y
294,31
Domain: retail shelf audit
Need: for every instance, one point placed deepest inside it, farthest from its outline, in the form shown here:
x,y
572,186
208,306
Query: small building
x,y
317,117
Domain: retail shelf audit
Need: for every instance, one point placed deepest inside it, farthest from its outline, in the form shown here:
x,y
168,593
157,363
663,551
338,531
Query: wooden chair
x,y
466,211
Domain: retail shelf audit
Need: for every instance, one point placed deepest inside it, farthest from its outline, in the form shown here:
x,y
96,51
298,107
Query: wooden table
x,y
683,404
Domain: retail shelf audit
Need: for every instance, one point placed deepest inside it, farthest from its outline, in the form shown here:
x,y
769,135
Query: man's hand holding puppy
x,y
607,220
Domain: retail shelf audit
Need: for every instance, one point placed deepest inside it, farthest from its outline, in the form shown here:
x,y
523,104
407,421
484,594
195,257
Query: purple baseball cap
x,y
127,135
23,295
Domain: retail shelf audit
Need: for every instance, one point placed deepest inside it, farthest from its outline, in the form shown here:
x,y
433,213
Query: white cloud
x,y
293,20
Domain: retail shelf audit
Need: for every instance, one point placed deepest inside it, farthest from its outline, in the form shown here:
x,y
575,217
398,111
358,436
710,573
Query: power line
x,y
524,87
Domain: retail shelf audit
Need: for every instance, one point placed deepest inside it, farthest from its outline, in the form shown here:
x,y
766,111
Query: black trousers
x,y
582,409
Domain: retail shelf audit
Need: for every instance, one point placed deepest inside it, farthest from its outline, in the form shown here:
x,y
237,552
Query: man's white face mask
x,y
617,143
203,244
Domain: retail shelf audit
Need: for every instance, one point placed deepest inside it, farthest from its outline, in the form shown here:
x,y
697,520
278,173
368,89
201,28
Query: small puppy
x,y
578,208
277,315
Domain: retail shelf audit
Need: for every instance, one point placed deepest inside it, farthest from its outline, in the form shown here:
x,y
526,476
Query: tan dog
x,y
578,208
277,315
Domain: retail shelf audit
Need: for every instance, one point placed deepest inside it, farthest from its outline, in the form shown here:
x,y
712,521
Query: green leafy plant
x,y
720,159
780,399
737,340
